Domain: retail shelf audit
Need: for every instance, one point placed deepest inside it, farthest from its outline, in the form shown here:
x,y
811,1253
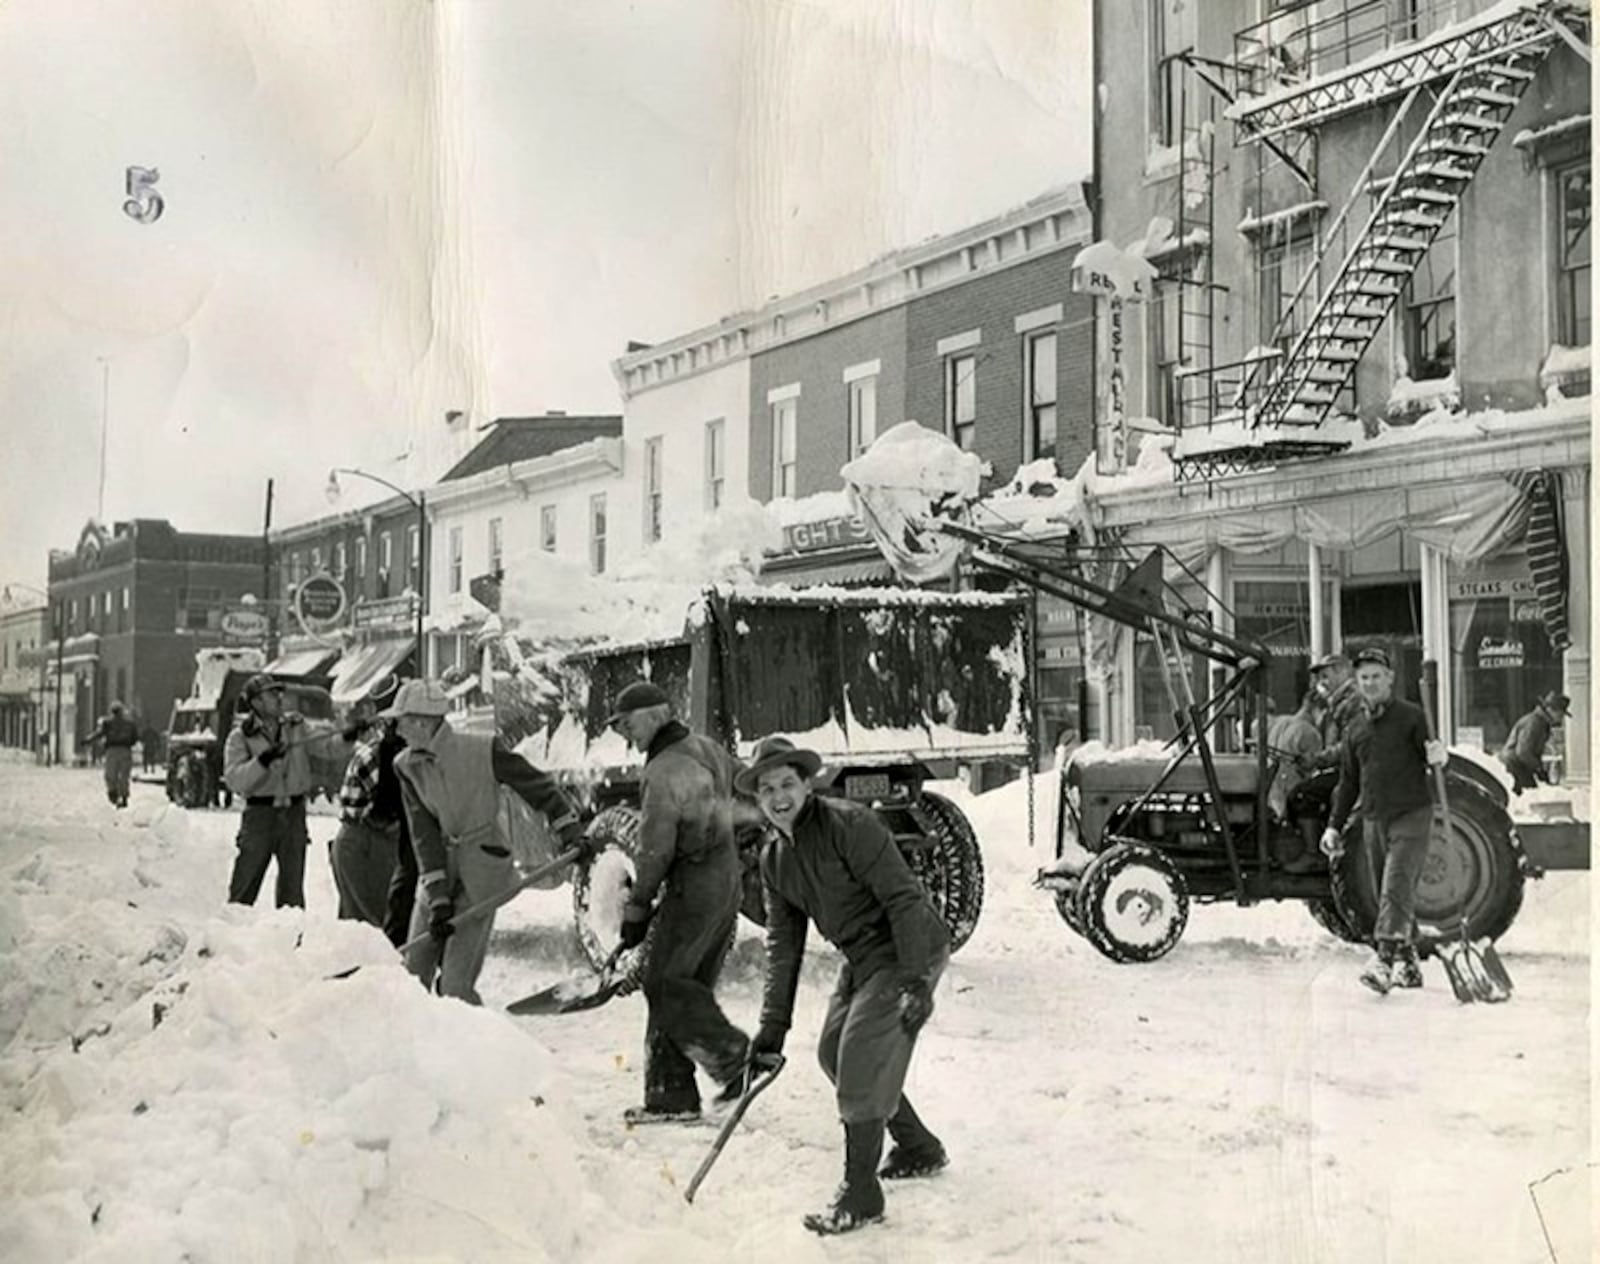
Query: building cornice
x,y
1055,221
519,480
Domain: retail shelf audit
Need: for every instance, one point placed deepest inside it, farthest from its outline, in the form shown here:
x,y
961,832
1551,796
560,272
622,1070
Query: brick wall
x,y
821,425
990,303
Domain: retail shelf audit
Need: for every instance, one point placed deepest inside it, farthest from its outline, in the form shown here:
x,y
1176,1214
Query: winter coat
x,y
1523,752
1294,739
1384,761
843,871
116,730
284,779
686,807
1344,707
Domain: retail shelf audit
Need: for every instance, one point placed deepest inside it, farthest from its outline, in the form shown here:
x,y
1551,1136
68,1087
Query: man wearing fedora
x,y
1523,752
687,854
1385,761
265,762
835,863
449,784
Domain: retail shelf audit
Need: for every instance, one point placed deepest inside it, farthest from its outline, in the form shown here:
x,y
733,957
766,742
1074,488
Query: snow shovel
x,y
1474,969
487,905
754,1082
560,998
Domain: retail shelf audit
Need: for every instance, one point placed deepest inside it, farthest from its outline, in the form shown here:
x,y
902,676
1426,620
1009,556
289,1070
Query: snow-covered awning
x,y
363,666
304,662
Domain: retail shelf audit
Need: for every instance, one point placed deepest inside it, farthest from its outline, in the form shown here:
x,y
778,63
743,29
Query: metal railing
x,y
1298,43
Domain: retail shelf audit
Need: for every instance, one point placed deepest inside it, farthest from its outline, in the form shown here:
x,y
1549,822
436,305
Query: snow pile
x,y
182,1078
908,478
1407,398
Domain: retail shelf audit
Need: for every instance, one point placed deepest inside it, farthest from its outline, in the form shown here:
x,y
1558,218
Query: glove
x,y
766,1049
572,835
1434,752
635,925
441,908
916,1004
1332,843
272,755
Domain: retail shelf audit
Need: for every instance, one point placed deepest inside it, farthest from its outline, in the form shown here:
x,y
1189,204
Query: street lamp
x,y
420,503
55,617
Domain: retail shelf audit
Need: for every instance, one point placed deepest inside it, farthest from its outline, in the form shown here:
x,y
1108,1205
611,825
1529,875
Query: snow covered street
x,y
183,1082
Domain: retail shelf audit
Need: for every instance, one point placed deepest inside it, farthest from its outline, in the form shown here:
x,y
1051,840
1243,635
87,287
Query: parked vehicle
x,y
893,688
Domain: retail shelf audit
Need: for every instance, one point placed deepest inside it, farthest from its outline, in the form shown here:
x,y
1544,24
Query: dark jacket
x,y
1523,752
1344,708
685,807
117,730
843,871
1384,760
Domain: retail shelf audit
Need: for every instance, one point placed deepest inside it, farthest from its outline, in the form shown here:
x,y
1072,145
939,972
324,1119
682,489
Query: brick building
x,y
134,604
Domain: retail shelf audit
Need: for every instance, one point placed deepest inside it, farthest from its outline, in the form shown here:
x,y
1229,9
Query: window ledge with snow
x,y
1566,370
1410,400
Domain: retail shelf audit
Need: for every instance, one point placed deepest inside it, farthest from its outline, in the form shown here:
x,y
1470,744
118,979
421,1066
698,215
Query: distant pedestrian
x,y
835,863
117,734
688,855
266,763
1385,762
150,746
372,832
450,785
1523,752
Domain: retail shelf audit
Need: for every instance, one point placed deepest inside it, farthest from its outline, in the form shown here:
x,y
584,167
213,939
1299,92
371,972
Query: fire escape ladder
x,y
1420,197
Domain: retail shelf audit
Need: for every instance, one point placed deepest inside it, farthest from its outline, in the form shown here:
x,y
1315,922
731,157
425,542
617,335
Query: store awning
x,y
365,665
873,570
309,662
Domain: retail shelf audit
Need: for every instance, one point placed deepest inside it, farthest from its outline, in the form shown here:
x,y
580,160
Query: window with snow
x,y
784,467
547,528
1430,310
961,398
456,552
597,534
862,414
1573,254
1040,384
716,463
652,489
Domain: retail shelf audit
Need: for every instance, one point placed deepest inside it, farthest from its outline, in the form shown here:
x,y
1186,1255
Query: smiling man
x,y
835,863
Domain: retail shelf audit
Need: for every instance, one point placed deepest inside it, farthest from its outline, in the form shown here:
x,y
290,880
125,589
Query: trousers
x,y
118,771
268,833
1400,846
864,1049
363,858
475,872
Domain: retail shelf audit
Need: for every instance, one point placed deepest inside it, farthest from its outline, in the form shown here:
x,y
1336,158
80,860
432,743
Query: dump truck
x,y
893,688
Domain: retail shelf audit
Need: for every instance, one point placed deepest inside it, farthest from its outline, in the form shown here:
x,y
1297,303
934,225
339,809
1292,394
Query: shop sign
x,y
830,533
1501,653
245,625
386,612
1526,612
1473,589
319,601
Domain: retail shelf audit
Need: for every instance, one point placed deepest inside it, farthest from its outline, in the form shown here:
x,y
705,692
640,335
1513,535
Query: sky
x,y
377,213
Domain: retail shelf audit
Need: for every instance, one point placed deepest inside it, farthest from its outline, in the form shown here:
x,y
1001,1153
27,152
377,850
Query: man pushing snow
x,y
835,863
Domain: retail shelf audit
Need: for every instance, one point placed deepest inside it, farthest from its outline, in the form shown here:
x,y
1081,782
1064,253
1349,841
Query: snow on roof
x,y
1533,135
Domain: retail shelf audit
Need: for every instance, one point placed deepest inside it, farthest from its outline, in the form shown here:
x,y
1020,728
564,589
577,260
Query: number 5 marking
x,y
144,203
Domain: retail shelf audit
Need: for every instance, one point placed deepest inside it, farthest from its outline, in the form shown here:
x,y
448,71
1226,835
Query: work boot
x,y
1379,973
916,1151
634,1116
859,1201
1407,970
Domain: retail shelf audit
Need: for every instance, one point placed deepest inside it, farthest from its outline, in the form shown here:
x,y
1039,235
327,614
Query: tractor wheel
x,y
950,868
1476,866
600,888
1067,907
1133,903
1327,915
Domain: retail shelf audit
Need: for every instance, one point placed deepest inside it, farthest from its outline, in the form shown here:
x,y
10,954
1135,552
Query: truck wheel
x,y
950,868
1476,865
600,888
1327,915
1133,903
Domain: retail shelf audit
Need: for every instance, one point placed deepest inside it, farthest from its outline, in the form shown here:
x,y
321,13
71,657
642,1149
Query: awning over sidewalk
x,y
311,662
868,570
364,665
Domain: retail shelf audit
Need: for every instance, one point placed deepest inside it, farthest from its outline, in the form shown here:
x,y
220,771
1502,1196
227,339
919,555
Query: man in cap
x,y
1385,762
372,835
118,732
1333,679
1523,752
265,762
835,863
450,786
687,855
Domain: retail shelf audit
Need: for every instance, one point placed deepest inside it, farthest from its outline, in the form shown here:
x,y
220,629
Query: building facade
x,y
24,685
133,605
1365,338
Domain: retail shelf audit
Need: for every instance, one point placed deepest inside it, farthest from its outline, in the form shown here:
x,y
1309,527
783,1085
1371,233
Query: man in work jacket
x,y
1385,762
1333,678
449,783
119,733
265,763
835,863
688,856
1523,752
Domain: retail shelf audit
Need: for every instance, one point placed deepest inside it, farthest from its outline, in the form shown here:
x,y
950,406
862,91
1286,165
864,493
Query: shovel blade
x,y
559,998
1471,977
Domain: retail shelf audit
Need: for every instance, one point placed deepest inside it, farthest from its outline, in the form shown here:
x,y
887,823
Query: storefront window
x,y
1277,613
1499,652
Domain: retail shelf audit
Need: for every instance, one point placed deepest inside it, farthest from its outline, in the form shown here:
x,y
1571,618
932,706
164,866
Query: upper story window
x,y
785,417
316,559
497,546
547,528
361,557
961,398
652,489
1040,388
861,409
385,563
716,464
1574,246
1282,264
1430,310
597,534
414,557
338,560
456,548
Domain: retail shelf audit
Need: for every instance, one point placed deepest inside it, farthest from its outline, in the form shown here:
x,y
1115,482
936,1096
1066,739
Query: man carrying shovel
x,y
266,763
449,783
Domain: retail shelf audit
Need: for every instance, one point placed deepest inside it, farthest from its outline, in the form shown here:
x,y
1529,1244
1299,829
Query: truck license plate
x,y
873,785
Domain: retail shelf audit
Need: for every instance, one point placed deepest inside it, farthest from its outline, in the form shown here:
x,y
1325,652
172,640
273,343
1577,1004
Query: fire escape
x,y
1468,77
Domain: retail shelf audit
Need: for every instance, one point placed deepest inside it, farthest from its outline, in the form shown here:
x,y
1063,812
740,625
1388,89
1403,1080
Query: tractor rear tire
x,y
950,868
1326,914
1133,903
1067,907
1479,866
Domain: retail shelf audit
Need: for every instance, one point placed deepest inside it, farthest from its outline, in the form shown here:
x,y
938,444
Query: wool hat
x,y
775,752
259,684
636,697
418,697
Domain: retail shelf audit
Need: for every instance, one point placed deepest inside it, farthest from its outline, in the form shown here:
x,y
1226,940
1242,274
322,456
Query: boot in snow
x,y
859,1201
1407,970
916,1151
1378,975
636,1115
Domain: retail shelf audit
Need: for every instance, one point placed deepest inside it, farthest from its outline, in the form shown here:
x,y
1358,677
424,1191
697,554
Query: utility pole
x,y
61,653
266,578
